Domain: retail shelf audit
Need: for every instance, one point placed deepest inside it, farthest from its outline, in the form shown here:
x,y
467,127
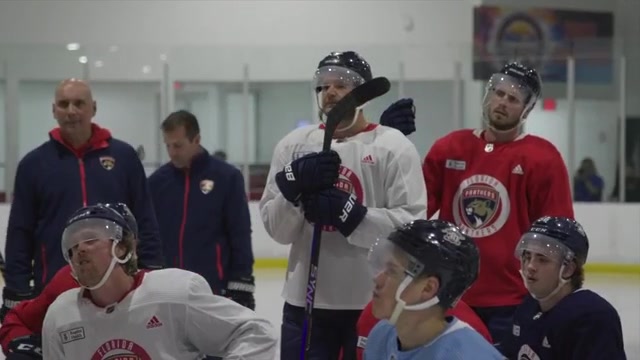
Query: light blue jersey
x,y
458,342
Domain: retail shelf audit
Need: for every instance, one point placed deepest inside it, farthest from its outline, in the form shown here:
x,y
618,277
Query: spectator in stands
x,y
203,213
588,185
80,164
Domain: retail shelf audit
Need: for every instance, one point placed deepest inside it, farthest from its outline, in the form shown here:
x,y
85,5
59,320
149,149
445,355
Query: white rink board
x,y
613,229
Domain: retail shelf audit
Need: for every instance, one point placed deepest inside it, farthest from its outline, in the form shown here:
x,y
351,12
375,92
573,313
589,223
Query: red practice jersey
x,y
462,311
27,317
494,192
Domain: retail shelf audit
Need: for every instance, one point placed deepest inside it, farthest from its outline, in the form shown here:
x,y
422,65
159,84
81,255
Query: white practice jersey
x,y
171,314
383,169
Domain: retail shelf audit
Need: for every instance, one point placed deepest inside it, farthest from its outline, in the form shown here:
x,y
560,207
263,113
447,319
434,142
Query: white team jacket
x,y
383,169
172,314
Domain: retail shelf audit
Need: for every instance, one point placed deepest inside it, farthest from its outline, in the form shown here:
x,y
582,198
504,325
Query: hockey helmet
x,y
435,248
93,222
348,67
126,214
556,237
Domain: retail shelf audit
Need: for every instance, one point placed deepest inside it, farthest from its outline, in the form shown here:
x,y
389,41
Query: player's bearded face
x,y
332,83
505,108
90,259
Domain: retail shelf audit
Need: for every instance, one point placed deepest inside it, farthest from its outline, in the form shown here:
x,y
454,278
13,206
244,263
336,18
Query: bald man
x,y
81,164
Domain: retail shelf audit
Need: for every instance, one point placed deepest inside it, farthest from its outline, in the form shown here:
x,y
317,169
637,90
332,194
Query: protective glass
x,y
337,76
388,259
542,244
508,88
88,230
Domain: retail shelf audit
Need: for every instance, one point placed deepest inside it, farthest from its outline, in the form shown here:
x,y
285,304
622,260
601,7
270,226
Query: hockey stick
x,y
342,109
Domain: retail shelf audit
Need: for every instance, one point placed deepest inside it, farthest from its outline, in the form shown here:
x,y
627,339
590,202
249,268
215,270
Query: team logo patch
x,y
107,162
481,206
206,186
120,349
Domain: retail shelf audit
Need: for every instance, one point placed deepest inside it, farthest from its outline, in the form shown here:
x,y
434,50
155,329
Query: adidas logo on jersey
x,y
517,170
153,322
368,159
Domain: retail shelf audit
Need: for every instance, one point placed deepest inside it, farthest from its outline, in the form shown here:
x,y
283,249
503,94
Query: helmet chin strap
x,y
351,124
402,305
561,282
114,260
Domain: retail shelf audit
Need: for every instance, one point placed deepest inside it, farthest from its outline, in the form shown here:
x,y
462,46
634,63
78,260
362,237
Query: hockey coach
x,y
203,213
81,164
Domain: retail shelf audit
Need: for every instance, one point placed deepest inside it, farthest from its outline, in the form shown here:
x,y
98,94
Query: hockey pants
x,y
332,332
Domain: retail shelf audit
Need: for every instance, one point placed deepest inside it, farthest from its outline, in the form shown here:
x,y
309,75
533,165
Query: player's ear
x,y
569,270
430,288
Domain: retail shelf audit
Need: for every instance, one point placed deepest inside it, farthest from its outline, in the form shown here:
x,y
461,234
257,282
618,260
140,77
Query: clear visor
x,y
385,257
542,244
336,76
512,90
88,230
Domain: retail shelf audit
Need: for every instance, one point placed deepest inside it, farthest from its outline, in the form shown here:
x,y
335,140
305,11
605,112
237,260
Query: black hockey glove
x,y
308,174
241,291
11,298
401,115
25,347
335,208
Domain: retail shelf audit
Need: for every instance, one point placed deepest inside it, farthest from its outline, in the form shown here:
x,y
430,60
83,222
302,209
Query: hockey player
x,y
20,331
121,312
460,310
560,320
493,184
420,271
375,165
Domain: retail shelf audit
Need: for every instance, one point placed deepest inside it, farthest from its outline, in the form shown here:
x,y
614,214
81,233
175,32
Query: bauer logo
x,y
72,335
481,206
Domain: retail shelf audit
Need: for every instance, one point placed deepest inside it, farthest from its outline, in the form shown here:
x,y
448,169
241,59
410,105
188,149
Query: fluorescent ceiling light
x,y
73,46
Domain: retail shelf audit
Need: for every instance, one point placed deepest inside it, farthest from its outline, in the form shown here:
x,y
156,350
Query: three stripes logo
x,y
153,322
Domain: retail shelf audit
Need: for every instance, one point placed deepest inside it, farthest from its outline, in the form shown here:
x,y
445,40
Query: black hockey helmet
x,y
439,248
556,236
527,76
126,214
104,221
348,60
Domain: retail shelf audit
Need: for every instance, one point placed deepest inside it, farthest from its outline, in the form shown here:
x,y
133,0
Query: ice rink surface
x,y
623,291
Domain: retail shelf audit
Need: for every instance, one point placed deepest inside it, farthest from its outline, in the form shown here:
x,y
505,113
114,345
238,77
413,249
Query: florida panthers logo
x,y
120,349
481,206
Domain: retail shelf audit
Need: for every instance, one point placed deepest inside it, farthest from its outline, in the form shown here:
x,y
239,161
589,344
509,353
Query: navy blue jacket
x,y
52,181
204,219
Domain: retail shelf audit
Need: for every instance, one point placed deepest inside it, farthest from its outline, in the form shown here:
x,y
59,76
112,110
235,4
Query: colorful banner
x,y
544,38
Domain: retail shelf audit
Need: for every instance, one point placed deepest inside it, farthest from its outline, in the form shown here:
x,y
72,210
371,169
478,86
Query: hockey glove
x,y
241,291
335,208
25,347
308,174
401,115
11,298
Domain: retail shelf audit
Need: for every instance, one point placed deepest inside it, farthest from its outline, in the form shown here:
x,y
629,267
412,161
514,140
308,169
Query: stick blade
x,y
348,104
